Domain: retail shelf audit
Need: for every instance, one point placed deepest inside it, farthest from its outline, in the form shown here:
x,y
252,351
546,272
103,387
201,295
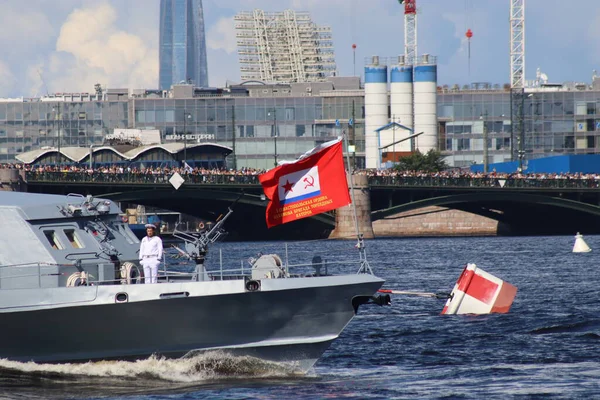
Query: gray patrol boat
x,y
70,291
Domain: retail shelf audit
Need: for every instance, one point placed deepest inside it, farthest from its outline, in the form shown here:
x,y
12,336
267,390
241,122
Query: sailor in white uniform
x,y
151,252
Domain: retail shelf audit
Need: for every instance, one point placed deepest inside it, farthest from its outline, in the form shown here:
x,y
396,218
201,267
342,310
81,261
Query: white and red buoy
x,y
478,292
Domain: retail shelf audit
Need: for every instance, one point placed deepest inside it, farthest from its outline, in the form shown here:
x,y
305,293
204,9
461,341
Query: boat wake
x,y
200,367
150,375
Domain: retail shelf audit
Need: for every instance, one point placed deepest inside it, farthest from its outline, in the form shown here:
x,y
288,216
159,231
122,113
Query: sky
x,y
70,45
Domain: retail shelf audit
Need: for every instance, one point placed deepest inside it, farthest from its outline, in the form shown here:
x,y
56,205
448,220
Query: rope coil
x,y
78,279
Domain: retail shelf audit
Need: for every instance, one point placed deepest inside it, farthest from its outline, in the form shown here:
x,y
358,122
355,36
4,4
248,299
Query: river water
x,y
547,346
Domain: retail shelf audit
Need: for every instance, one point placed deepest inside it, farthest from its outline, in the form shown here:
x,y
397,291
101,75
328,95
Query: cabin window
x,y
54,240
74,238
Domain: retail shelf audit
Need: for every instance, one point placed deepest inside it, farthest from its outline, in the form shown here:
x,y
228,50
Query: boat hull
x,y
290,320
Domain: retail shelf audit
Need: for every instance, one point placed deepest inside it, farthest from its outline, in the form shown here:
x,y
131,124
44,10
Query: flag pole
x,y
360,245
350,172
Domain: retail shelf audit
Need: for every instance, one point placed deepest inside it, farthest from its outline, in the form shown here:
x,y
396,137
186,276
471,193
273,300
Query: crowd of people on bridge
x,y
246,171
462,173
119,169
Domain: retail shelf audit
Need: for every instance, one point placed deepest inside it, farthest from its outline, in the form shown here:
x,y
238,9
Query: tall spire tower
x,y
182,43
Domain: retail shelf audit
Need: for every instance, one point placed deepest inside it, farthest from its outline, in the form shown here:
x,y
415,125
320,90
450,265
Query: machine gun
x,y
196,243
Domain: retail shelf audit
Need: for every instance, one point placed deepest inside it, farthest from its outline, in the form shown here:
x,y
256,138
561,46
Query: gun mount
x,y
196,243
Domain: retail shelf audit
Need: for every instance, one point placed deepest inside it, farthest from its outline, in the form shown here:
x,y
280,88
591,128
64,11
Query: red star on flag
x,y
287,186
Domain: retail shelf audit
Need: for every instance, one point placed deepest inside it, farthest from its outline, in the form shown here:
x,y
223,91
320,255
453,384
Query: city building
x,y
203,155
285,47
558,119
182,44
273,122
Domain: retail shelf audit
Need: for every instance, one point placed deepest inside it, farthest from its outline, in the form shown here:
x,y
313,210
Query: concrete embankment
x,y
436,221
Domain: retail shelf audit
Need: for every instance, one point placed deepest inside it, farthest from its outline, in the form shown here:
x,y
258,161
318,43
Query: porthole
x,y
121,297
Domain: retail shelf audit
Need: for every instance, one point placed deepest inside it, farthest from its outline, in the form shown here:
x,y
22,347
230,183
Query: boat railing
x,y
311,269
28,272
37,271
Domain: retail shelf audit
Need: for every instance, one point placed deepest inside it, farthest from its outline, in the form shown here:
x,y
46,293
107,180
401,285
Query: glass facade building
x,y
182,44
267,123
260,130
557,120
261,123
59,121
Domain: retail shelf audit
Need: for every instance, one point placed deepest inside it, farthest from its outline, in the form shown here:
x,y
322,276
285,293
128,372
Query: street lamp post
x,y
353,137
521,153
394,140
185,118
57,116
521,142
274,112
485,142
91,160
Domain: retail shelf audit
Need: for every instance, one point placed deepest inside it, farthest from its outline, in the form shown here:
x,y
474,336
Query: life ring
x,y
201,225
124,218
129,273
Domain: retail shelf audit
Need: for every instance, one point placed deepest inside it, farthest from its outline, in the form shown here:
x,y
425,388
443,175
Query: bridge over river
x,y
520,205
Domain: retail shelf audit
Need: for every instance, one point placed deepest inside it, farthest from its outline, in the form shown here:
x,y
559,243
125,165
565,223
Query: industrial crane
x,y
410,30
517,80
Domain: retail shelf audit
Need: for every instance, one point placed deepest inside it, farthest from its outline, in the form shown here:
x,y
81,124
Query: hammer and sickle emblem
x,y
309,182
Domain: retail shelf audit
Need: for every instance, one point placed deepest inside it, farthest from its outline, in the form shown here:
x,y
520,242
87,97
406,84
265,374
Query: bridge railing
x,y
464,182
252,180
137,178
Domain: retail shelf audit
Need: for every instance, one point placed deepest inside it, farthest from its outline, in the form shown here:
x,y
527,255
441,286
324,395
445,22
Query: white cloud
x,y
76,43
92,49
221,36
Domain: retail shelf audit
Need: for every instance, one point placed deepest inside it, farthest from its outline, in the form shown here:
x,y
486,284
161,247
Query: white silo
x,y
376,108
425,92
401,104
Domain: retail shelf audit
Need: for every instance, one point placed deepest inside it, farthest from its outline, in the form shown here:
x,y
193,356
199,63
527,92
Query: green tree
x,y
432,161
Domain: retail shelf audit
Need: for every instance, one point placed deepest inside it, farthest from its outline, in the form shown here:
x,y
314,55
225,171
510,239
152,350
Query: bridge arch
x,y
487,201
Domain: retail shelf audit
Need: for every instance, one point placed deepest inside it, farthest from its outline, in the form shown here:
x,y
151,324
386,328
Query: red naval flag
x,y
313,184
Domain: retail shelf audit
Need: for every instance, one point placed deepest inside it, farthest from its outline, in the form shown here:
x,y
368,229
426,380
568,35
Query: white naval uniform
x,y
151,252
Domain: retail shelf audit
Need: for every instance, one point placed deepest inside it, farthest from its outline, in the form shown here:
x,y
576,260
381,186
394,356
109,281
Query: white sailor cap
x,y
150,226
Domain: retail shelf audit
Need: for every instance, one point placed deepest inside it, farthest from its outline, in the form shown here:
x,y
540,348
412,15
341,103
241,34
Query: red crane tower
x,y
410,30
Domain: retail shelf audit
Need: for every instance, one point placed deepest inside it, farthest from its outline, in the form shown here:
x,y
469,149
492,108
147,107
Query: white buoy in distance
x,y
580,245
